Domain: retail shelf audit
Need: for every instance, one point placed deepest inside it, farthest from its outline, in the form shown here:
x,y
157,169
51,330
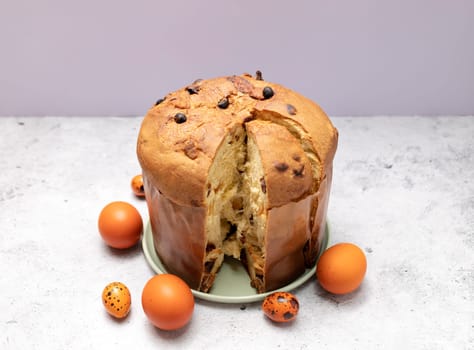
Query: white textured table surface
x,y
403,190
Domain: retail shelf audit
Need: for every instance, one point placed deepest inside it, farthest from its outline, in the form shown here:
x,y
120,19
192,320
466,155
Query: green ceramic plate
x,y
232,283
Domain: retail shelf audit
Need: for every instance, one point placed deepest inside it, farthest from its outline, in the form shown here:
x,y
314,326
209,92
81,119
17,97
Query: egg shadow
x,y
171,334
119,320
340,299
131,252
280,325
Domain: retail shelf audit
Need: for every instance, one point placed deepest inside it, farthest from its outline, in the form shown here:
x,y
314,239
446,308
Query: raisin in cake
x,y
237,166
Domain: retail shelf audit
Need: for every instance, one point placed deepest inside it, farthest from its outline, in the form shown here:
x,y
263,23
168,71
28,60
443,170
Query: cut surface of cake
x,y
237,166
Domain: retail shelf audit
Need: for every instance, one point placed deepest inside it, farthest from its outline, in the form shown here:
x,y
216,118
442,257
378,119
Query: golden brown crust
x,y
172,152
176,147
323,135
286,168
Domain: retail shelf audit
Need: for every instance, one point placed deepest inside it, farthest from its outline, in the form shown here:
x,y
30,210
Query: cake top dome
x,y
181,133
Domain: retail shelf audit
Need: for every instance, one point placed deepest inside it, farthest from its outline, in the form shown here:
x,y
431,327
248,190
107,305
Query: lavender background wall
x,y
112,57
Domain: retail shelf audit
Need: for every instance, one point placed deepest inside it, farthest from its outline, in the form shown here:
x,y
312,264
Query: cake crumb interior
x,y
235,222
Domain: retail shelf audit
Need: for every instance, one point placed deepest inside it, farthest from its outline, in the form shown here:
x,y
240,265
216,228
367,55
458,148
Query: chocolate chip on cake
x,y
159,101
299,172
223,103
281,166
180,118
267,92
258,75
291,109
192,89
